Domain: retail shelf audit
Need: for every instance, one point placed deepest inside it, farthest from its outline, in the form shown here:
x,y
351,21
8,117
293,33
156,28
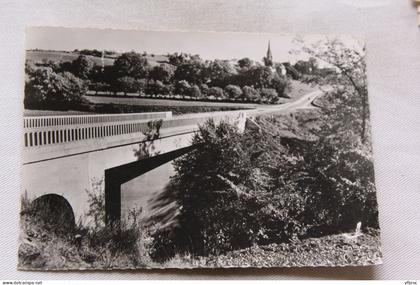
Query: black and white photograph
x,y
171,149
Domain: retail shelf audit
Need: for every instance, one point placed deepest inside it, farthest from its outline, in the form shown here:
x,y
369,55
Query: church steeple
x,y
268,60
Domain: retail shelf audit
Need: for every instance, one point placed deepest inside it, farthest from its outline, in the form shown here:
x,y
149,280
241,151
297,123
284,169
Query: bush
x,y
217,92
233,91
47,89
269,95
182,88
250,93
195,92
158,88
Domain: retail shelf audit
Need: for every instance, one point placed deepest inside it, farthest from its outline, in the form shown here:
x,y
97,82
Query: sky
x,y
209,45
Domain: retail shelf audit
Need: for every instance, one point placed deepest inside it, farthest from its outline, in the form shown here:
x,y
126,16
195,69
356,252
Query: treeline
x,y
178,75
189,76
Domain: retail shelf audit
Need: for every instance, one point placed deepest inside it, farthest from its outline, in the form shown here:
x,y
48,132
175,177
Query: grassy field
x,y
163,102
297,89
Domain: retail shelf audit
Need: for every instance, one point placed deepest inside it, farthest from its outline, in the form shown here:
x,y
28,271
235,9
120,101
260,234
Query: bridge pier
x,y
116,176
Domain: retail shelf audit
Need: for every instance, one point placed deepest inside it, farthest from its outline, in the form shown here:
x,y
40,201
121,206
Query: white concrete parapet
x,y
47,121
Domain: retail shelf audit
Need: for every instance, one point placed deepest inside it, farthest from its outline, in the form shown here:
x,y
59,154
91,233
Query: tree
x,y
259,77
191,71
351,76
250,93
245,63
182,88
216,92
195,92
82,66
177,58
45,88
157,87
126,84
269,94
225,194
163,72
338,169
131,64
233,91
306,67
281,85
219,72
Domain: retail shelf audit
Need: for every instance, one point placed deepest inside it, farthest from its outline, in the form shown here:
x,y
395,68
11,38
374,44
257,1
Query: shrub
x,y
250,93
217,92
233,91
269,94
47,89
182,88
158,88
195,92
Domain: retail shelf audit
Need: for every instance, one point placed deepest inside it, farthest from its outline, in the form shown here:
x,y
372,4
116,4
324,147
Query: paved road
x,y
303,102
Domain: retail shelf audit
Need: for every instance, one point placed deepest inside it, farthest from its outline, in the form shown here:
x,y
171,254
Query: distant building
x,y
268,60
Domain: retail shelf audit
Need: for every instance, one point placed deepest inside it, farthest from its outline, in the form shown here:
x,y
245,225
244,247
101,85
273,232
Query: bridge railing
x,y
98,129
48,121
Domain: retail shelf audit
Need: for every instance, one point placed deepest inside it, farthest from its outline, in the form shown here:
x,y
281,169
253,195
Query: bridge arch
x,y
55,211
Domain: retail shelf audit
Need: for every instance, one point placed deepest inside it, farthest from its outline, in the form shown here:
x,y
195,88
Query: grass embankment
x,y
81,248
333,250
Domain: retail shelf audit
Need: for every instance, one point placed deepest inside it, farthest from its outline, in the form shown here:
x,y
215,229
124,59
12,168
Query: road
x,y
303,102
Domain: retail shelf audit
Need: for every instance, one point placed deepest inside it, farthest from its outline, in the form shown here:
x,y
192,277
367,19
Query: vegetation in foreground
x,y
331,250
50,240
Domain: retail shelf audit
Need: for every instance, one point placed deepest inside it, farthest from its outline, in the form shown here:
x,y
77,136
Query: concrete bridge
x,y
65,156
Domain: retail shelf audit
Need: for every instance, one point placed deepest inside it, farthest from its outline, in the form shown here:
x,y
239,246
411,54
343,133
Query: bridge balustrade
x,y
63,129
48,121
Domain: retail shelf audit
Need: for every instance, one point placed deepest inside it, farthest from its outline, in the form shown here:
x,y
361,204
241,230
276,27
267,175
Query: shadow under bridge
x,y
116,176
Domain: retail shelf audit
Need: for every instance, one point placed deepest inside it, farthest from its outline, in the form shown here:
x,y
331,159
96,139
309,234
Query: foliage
x,y
350,78
82,66
127,84
158,88
90,244
226,194
147,146
233,91
306,67
190,71
245,63
250,93
219,72
44,87
131,64
216,92
269,94
163,72
182,74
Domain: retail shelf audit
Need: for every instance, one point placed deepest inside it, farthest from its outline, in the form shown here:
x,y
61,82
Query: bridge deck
x,y
58,136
